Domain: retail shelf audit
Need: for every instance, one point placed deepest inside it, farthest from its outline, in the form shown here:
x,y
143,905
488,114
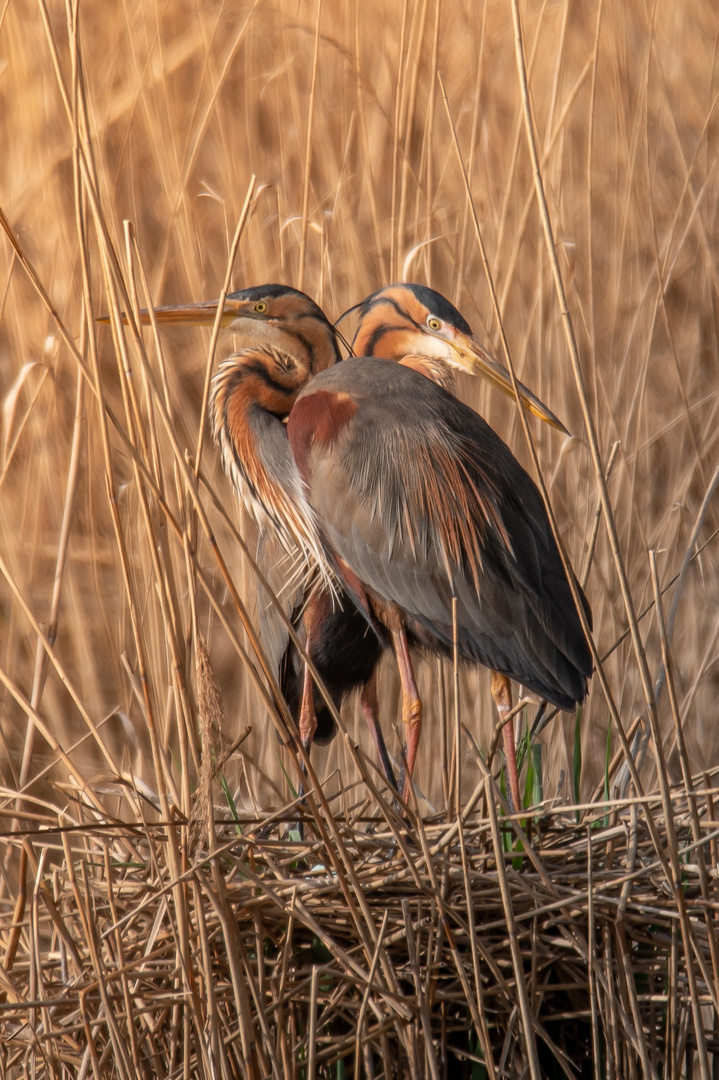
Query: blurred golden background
x,y
160,114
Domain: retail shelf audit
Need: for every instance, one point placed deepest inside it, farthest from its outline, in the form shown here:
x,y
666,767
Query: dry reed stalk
x,y
239,228
581,390
308,151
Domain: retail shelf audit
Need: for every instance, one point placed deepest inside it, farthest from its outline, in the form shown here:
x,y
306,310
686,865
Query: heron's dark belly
x,y
345,650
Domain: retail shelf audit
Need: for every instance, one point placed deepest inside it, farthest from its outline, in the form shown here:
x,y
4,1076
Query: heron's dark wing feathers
x,y
437,506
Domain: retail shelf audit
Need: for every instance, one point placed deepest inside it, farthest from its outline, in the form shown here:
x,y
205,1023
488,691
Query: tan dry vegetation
x,y
160,114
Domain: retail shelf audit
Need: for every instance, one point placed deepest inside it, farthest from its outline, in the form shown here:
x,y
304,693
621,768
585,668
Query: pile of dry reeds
x,y
570,942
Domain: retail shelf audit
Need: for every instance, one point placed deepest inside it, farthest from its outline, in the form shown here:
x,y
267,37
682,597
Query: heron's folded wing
x,y
423,501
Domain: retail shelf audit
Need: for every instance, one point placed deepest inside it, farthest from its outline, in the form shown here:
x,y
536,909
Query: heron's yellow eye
x,y
260,307
434,323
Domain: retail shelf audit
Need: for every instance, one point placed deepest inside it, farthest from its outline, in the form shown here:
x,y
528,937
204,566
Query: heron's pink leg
x,y
317,609
307,721
411,705
502,694
369,704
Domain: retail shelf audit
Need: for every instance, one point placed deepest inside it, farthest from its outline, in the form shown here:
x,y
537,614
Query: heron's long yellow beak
x,y
200,314
471,357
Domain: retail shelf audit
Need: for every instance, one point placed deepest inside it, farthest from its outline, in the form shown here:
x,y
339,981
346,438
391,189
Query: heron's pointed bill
x,y
202,313
471,357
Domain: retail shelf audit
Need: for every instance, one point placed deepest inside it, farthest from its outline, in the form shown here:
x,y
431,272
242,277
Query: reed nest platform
x,y
558,943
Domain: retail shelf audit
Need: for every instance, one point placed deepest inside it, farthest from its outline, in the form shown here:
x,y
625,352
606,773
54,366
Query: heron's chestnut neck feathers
x,y
437,371
251,395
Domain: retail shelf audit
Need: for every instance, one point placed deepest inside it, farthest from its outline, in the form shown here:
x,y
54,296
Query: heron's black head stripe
x,y
434,302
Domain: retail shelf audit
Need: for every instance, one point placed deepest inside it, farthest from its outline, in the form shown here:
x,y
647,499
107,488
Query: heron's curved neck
x,y
383,333
402,341
311,342
247,406
437,371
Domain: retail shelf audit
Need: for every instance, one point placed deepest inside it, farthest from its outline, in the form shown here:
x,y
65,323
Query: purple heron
x,y
284,340
420,328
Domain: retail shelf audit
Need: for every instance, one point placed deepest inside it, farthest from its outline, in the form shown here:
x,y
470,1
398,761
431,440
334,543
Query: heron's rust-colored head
x,y
412,321
275,316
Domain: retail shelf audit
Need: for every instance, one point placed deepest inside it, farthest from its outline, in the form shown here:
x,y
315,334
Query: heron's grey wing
x,y
424,502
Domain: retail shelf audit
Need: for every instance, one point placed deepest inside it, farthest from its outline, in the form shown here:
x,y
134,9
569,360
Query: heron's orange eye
x,y
434,323
260,307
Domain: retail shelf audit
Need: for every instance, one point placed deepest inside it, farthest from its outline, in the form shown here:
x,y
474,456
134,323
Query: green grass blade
x,y
536,792
231,803
577,756
607,762
286,775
